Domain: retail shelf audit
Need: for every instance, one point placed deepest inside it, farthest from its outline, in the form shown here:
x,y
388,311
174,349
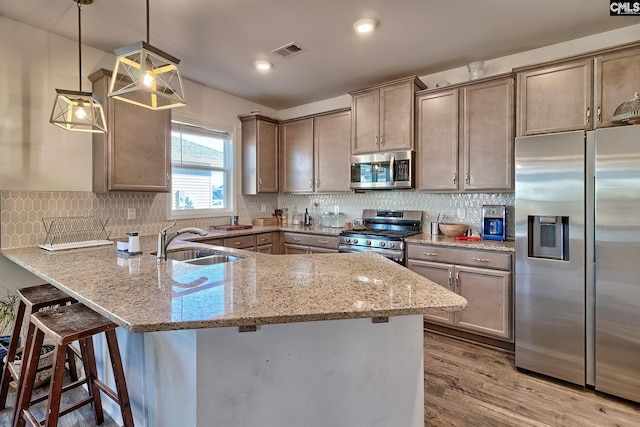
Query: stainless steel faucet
x,y
164,240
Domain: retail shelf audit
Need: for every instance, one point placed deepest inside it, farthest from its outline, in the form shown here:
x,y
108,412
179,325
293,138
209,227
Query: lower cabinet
x,y
300,243
484,278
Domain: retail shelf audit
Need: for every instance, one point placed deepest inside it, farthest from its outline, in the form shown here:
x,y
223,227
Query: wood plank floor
x,y
471,385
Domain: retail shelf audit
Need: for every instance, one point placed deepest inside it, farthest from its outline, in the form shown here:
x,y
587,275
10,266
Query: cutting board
x,y
233,227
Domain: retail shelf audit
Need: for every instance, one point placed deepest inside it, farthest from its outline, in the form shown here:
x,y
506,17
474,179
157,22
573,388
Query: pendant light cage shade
x,y
78,111
147,77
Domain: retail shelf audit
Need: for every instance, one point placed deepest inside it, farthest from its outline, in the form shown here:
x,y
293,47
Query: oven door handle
x,y
392,167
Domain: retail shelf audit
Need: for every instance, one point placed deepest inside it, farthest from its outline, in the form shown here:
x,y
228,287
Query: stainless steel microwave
x,y
383,171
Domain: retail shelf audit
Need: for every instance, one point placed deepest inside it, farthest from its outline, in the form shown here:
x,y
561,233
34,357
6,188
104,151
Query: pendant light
x,y
78,110
146,76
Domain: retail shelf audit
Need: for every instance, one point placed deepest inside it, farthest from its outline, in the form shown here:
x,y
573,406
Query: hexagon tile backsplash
x,y
21,212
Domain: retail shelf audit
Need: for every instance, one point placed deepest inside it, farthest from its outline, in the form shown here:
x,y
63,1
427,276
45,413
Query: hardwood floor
x,y
471,385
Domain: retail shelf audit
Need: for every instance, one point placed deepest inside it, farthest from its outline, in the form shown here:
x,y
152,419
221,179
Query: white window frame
x,y
230,160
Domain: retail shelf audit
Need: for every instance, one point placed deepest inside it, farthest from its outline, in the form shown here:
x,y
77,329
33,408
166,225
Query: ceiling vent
x,y
289,49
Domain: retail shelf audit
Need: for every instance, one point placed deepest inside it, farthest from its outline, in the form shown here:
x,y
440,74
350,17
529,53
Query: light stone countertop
x,y
440,240
142,295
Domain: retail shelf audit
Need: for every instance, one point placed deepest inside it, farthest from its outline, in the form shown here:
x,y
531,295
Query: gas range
x,y
384,232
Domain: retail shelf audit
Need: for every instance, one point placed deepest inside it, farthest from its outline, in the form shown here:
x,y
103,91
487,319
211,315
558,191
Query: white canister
x,y
134,242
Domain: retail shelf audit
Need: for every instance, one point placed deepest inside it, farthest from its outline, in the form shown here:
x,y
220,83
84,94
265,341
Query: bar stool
x,y
31,300
64,325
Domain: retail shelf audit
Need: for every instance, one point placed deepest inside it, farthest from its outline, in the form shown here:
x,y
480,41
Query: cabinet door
x,y
265,249
396,117
442,274
135,155
332,137
617,78
267,153
437,142
555,99
365,124
315,250
290,249
489,294
296,150
488,136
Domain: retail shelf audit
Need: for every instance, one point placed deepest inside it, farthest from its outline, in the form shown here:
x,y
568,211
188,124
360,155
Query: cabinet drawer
x,y
476,258
240,242
214,242
263,239
331,242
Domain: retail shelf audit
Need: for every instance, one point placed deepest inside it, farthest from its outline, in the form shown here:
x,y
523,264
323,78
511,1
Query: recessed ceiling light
x,y
263,66
365,26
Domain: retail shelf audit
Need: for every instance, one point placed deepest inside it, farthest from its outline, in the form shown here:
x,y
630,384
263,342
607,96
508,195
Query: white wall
x,y
495,66
36,155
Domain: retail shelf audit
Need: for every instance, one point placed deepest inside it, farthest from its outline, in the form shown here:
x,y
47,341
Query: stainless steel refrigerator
x,y
577,289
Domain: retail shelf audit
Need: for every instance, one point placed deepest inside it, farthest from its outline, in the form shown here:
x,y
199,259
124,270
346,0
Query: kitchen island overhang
x,y
316,357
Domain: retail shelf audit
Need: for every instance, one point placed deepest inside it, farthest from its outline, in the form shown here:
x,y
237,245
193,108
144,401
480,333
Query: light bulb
x,y
80,112
148,79
365,26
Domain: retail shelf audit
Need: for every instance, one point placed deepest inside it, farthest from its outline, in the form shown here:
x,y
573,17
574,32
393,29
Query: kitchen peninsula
x,y
315,358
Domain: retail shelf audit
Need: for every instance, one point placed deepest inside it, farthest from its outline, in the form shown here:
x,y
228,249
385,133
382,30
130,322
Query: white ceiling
x,y
218,41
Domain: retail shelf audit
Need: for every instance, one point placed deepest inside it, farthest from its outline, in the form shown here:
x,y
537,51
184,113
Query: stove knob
x,y
347,240
355,241
382,244
391,244
368,243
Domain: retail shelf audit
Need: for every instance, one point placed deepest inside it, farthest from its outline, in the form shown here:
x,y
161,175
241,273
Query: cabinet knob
x,y
482,259
455,177
317,184
296,239
168,179
588,115
466,178
429,254
376,141
259,183
450,279
381,141
457,280
599,113
324,242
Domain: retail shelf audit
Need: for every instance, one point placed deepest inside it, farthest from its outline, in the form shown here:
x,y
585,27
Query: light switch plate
x,y
131,213
461,213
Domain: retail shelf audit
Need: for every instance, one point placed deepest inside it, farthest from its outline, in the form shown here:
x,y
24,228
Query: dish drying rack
x,y
74,232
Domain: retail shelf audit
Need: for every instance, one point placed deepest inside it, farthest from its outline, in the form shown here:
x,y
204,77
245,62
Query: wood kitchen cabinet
x,y
315,153
581,93
484,278
383,116
259,154
135,155
300,243
466,137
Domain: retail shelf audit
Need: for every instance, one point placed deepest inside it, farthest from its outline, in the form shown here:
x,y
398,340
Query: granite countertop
x,y
440,240
143,295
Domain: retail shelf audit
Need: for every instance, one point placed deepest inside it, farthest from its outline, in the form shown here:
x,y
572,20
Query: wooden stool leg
x,y
91,372
55,388
118,375
11,355
73,370
27,378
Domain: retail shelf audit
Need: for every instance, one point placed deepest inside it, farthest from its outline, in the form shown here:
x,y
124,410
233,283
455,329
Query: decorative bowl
x,y
452,230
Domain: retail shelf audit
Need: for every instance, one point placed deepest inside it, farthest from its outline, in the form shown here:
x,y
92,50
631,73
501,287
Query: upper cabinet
x,y
135,155
576,94
259,154
466,136
314,153
383,116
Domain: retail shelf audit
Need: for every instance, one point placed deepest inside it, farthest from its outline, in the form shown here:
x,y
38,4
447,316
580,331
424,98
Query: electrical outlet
x,y
131,213
336,209
263,208
461,213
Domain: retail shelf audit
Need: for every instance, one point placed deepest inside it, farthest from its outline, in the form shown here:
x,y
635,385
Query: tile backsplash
x,y
21,212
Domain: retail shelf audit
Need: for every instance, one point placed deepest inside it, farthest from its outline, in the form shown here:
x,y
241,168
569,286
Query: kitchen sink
x,y
201,256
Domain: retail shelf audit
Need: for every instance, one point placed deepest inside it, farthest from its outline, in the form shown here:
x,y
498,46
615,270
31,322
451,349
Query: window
x,y
201,167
